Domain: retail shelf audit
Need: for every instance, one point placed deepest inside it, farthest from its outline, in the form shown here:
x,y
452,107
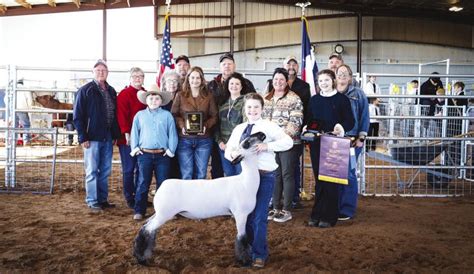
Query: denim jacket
x,y
360,109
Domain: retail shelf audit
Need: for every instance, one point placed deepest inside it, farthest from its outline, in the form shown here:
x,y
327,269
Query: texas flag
x,y
309,66
166,59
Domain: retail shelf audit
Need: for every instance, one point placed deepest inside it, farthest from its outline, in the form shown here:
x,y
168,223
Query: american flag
x,y
166,59
309,66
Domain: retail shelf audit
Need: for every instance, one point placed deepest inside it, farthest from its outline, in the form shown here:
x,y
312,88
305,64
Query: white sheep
x,y
200,199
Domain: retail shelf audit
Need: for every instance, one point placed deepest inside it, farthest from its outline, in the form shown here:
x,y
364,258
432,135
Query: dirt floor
x,y
58,233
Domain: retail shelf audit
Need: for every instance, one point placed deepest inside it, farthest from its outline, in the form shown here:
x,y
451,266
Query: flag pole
x,y
166,56
309,67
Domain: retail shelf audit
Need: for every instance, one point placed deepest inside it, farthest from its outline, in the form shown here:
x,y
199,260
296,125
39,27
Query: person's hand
x,y
359,143
222,146
303,130
338,130
86,144
127,139
203,131
261,147
183,131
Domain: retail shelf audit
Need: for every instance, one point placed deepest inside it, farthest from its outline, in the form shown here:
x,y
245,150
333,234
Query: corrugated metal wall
x,y
258,25
204,28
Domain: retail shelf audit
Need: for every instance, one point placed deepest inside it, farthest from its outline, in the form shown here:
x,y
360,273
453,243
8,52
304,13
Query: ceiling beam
x,y
365,7
24,4
77,3
69,7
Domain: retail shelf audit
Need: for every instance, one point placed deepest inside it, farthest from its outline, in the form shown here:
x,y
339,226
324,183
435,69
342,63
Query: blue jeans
x,y
348,194
229,168
147,164
97,165
193,156
129,173
256,227
22,118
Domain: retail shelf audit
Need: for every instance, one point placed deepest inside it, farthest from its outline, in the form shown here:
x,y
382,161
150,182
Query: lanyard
x,y
230,107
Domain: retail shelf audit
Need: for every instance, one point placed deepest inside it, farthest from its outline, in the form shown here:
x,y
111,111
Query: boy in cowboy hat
x,y
153,142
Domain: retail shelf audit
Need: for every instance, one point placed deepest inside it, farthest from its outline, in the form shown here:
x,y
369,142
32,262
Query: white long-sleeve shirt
x,y
24,99
369,89
374,111
276,140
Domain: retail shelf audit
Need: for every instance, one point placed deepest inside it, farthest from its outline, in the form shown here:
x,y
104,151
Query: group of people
x,y
429,106
173,131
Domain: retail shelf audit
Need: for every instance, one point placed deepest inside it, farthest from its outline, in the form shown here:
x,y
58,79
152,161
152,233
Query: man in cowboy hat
x,y
153,142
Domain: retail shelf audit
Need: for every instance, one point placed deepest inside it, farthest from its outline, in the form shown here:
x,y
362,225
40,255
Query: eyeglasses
x,y
342,75
137,76
174,81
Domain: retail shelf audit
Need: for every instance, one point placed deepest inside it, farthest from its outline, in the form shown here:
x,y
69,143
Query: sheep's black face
x,y
253,139
247,143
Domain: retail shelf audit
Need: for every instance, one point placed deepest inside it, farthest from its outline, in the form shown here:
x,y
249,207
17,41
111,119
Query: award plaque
x,y
193,122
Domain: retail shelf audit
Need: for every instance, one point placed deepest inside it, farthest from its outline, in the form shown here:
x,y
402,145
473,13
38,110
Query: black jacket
x,y
89,114
216,87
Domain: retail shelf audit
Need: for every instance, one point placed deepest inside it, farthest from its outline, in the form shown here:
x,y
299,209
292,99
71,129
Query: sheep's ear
x,y
237,160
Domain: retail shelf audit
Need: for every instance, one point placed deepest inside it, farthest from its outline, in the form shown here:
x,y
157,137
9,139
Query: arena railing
x,y
430,157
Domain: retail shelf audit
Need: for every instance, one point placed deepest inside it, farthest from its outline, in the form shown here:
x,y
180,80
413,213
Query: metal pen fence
x,y
26,162
414,155
29,169
420,150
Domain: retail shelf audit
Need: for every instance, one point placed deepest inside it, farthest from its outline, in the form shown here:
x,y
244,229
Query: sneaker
x,y
107,205
284,216
258,263
323,224
95,207
313,223
296,205
272,214
343,217
138,217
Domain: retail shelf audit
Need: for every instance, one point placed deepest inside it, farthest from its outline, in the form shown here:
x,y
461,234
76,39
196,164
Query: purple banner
x,y
334,159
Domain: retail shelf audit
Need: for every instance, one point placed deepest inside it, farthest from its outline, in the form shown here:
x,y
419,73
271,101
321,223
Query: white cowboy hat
x,y
166,97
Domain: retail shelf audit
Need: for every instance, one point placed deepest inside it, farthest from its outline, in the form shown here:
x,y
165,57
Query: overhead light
x,y
455,8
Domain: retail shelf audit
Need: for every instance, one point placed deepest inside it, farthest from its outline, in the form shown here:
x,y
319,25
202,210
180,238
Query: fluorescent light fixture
x,y
455,8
